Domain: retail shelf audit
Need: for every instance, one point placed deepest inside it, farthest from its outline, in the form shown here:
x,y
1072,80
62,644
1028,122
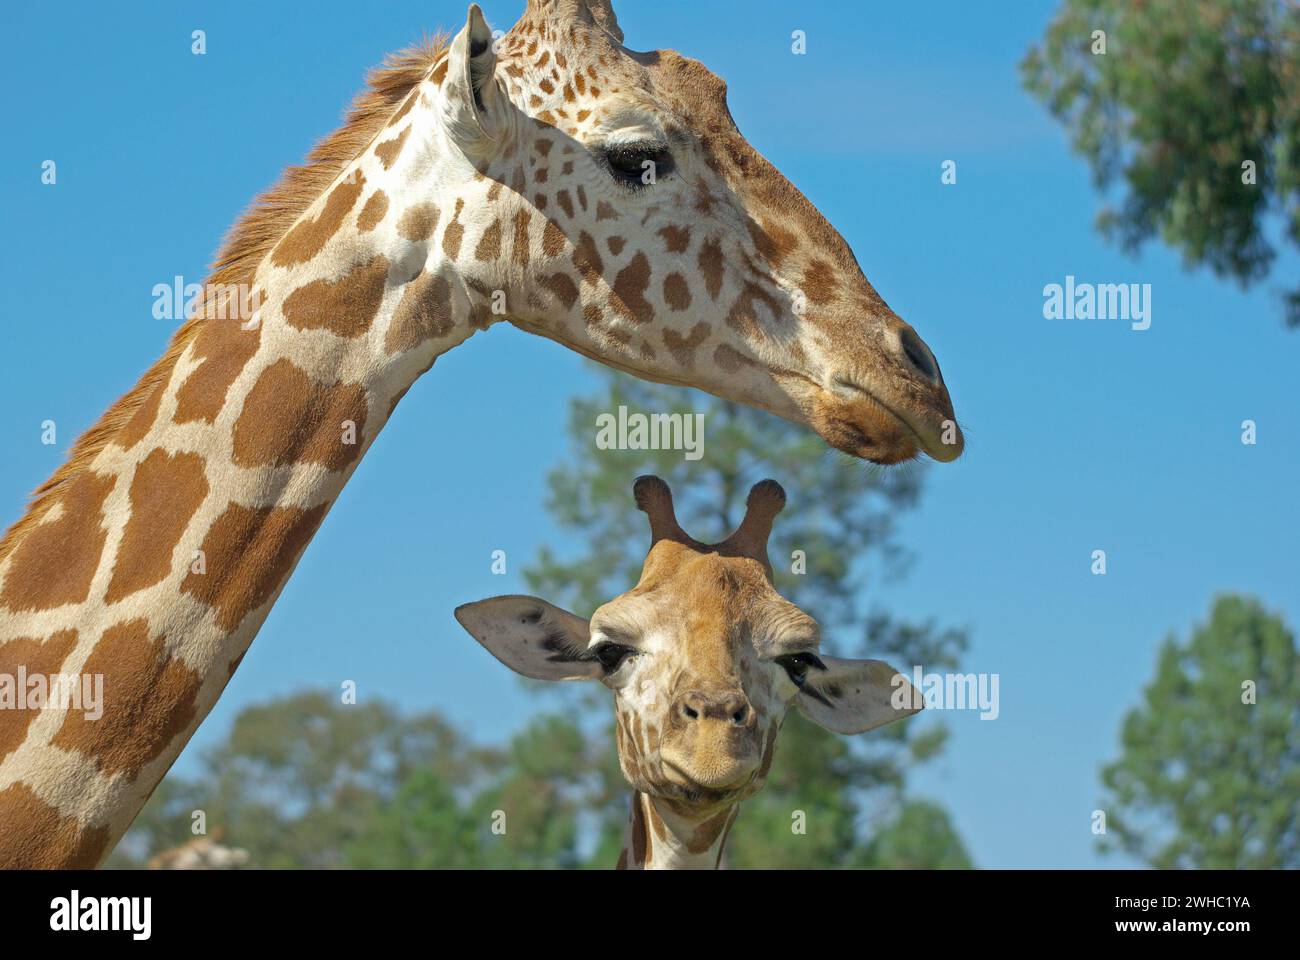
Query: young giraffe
x,y
704,658
470,179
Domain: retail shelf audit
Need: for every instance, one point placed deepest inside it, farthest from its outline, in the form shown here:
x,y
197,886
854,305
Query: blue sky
x,y
1083,435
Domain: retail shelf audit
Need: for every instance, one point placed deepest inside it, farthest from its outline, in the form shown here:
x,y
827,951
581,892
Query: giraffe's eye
x,y
610,656
797,665
637,165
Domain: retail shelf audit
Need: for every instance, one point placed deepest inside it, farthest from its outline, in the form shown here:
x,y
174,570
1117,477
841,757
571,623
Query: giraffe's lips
x,y
854,419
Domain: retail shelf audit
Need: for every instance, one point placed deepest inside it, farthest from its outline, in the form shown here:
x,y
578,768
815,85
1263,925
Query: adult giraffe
x,y
584,192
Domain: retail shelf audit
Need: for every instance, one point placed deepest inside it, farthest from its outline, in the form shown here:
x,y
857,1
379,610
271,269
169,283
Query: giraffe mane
x,y
245,245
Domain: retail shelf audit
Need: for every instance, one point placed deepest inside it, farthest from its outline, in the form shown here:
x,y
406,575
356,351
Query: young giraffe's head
x,y
668,246
703,656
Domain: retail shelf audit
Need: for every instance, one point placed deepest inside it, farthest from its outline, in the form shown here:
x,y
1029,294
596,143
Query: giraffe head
x,y
703,657
622,213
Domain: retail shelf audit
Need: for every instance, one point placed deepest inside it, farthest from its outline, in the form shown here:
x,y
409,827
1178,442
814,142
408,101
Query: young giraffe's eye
x,y
637,165
797,665
610,656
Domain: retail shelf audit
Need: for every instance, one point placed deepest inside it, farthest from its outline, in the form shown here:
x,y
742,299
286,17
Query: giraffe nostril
x,y
918,354
740,715
690,712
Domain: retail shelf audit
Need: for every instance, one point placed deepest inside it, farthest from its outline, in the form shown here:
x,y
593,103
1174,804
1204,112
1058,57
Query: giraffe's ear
x,y
532,637
854,696
473,104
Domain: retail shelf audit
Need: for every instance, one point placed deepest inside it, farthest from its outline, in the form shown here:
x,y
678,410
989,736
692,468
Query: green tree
x,y
920,836
308,782
1185,93
520,810
539,797
840,521
1209,776
424,826
298,779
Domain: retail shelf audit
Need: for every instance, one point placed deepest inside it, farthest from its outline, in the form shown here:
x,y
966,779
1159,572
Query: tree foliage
x,y
309,782
1209,776
370,787
1186,92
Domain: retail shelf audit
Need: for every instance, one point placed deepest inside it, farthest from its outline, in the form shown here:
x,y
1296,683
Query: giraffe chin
x,y
687,796
866,432
695,801
864,427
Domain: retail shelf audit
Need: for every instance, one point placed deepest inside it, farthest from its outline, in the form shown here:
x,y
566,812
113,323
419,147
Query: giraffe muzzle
x,y
866,418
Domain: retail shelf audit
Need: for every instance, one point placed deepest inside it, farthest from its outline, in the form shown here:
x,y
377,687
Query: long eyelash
x,y
558,641
615,156
635,148
812,660
809,657
589,654
812,692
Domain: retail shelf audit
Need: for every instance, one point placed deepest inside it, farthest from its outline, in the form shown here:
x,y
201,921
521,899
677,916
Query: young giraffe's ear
x,y
854,696
473,104
532,637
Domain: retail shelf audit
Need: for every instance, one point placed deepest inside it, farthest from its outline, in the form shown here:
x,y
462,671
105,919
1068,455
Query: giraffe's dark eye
x,y
797,666
637,165
610,656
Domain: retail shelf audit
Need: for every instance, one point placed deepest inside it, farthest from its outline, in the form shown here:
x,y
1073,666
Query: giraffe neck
x,y
657,838
155,565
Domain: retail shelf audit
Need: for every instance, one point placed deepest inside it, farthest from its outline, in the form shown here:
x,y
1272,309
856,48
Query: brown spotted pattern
x,y
37,657
141,420
48,838
683,348
387,152
372,214
55,563
166,490
290,418
346,306
308,238
224,348
153,692
418,222
424,313
249,553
